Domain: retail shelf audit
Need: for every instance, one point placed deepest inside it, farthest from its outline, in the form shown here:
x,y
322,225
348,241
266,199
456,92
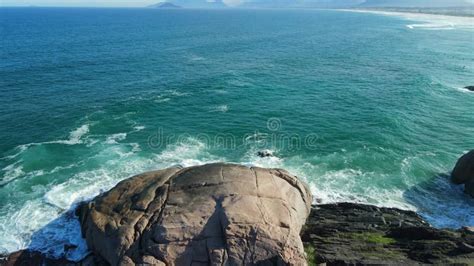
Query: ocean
x,y
364,107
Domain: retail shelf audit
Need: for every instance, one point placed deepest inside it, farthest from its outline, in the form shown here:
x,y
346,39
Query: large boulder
x,y
217,214
469,188
464,169
463,172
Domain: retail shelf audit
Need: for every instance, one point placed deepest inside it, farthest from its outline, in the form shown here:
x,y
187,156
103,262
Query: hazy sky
x,y
94,3
108,3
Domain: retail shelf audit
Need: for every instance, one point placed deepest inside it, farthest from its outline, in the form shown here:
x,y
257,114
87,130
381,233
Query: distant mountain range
x,y
164,5
301,3
191,4
314,3
415,3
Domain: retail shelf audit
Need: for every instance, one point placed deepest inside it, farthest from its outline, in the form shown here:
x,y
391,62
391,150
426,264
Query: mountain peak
x,y
164,5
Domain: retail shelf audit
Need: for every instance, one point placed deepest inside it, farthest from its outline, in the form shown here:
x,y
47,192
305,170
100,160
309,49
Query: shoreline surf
x,y
435,21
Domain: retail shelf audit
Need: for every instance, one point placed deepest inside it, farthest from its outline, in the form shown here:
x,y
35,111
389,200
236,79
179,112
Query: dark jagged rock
x,y
265,153
471,88
217,214
355,234
33,258
463,172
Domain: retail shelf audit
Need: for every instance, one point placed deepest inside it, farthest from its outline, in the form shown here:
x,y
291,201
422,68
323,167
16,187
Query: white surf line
x,y
433,21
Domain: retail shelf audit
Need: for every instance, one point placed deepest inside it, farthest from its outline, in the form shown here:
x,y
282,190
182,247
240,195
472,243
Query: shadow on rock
x,y
211,243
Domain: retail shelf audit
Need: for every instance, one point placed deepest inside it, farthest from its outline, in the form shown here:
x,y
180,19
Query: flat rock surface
x,y
355,234
217,214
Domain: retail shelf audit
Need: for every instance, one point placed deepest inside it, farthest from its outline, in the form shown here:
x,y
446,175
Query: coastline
x,y
232,204
339,234
142,109
434,21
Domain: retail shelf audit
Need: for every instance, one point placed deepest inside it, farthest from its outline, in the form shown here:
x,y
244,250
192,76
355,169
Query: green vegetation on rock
x,y
372,237
310,255
357,234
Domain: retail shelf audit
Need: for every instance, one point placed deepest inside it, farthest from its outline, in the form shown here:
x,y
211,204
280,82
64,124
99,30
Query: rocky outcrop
x,y
355,234
217,214
463,172
33,258
226,214
265,153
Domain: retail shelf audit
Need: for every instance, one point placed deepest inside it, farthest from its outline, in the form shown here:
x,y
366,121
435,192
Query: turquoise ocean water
x,y
364,107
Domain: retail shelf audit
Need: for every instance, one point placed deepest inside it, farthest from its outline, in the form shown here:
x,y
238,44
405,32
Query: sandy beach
x,y
428,21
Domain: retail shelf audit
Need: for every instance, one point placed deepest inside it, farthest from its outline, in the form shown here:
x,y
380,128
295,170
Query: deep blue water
x,y
361,106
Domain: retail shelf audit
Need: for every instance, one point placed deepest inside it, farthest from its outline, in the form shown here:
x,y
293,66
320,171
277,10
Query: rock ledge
x,y
356,234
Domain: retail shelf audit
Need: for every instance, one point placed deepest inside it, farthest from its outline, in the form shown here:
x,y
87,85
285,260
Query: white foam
x,y
135,147
36,226
220,108
12,172
42,223
62,231
442,203
334,185
220,91
60,168
18,226
257,137
20,149
92,142
430,21
116,137
86,185
75,137
46,225
161,99
196,58
432,26
342,186
80,187
464,90
138,128
167,95
175,93
186,153
15,171
239,83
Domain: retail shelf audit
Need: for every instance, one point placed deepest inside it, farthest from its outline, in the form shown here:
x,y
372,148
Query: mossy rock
x,y
310,255
372,237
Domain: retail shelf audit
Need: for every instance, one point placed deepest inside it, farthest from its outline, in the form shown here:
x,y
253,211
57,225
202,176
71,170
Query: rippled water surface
x,y
365,107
